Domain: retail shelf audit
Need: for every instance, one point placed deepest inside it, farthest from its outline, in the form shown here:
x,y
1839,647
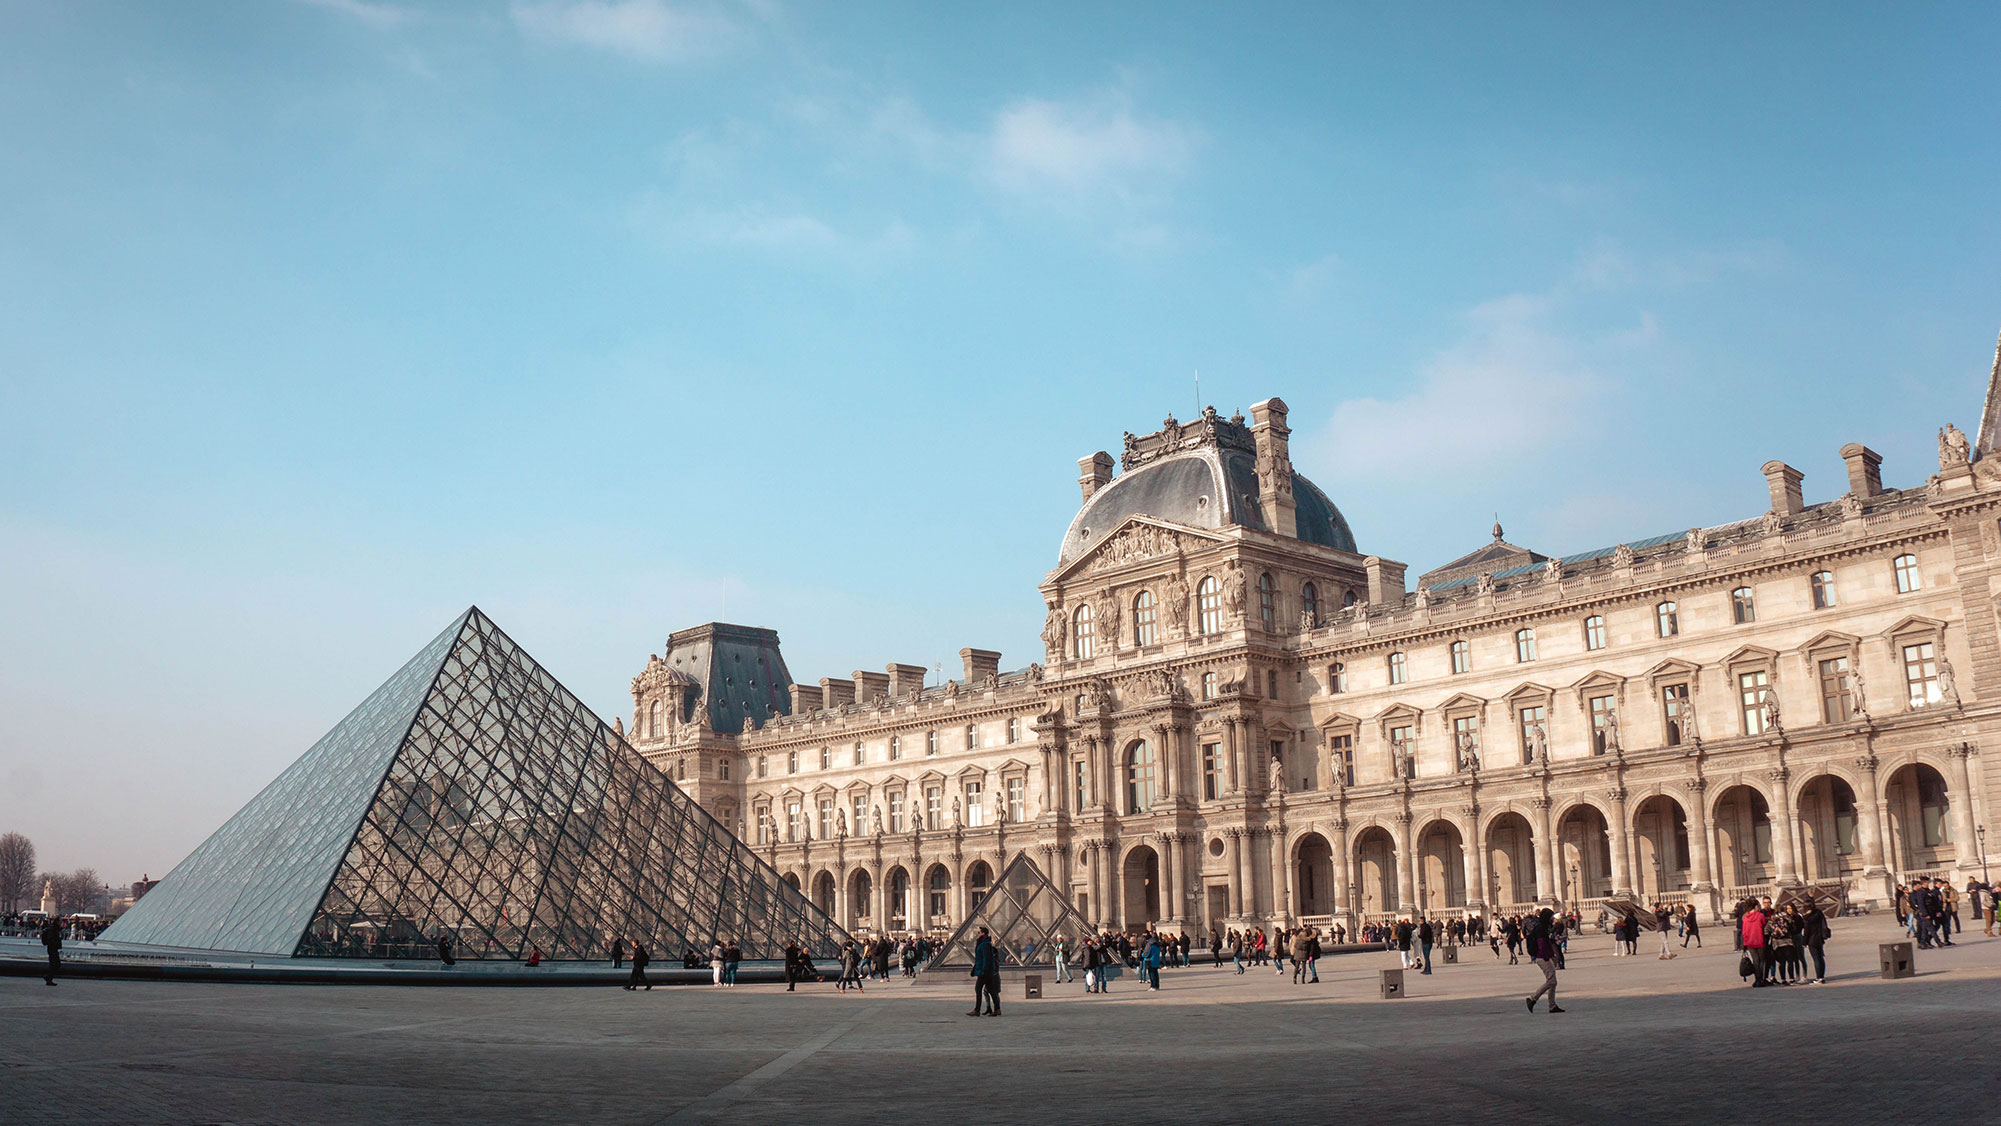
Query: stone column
x,y
1337,899
1094,855
1869,823
841,898
1699,875
1169,776
1191,877
1784,850
1406,865
1546,854
1281,877
1236,839
1474,856
1163,847
1232,783
1622,844
1959,803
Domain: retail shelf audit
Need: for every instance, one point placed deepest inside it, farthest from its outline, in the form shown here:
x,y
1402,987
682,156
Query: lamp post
x,y
1576,896
1980,835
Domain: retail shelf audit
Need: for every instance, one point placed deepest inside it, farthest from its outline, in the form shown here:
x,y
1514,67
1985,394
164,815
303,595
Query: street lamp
x,y
1576,890
1980,835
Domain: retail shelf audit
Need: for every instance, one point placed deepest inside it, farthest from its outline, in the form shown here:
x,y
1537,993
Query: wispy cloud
x,y
1512,385
379,16
647,30
1090,147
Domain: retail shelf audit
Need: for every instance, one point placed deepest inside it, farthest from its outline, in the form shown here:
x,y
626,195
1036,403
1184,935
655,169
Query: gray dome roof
x,y
1209,487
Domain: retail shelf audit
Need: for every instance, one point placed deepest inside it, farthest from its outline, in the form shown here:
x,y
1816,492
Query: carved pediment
x,y
1139,540
1916,623
1831,639
1530,690
1460,701
1750,655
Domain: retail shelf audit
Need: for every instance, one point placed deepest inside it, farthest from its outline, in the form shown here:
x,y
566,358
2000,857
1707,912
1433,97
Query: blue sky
x,y
320,321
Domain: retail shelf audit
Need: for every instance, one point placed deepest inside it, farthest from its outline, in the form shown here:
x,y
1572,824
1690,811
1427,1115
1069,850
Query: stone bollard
x,y
1392,984
1451,956
1897,960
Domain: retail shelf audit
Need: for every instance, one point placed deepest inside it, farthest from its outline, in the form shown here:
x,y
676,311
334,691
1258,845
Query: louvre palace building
x,y
1242,717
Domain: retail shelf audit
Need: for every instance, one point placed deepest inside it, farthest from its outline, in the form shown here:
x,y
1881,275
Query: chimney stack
x,y
1865,470
905,679
1385,581
1784,482
1096,472
869,685
1274,467
980,664
834,692
806,698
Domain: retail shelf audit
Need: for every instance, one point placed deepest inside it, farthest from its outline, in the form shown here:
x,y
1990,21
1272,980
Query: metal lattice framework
x,y
1024,914
472,795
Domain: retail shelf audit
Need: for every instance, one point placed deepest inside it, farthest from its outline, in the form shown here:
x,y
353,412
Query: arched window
x,y
1906,567
1143,631
1337,677
1594,632
1309,605
1399,668
1080,633
653,712
1139,778
1267,603
1666,620
941,884
1743,607
899,896
1524,645
1462,657
1823,589
1209,606
1347,599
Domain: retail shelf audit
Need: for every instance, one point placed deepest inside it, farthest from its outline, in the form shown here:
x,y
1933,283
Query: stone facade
x,y
1241,719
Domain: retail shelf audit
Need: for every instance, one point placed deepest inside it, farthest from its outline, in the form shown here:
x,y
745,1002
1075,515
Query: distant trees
x,y
78,891
18,888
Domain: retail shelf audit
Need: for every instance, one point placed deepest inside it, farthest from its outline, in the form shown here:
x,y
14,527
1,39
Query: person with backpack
x,y
1542,951
639,960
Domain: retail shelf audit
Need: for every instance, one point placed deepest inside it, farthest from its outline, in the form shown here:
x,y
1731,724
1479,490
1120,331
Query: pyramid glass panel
x,y
473,796
1024,914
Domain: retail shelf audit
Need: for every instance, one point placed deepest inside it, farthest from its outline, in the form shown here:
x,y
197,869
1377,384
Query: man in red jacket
x,y
1754,941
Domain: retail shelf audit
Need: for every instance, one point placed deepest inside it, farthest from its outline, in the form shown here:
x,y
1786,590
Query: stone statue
x,y
1948,682
1623,556
1034,672
1953,450
955,812
1107,618
1768,707
1177,604
749,725
1611,729
618,726
1423,598
1055,627
1469,756
1552,571
841,824
698,717
1000,808
1306,622
951,689
1690,732
1850,506
1858,695
1277,773
1406,763
1538,742
1233,591
1486,583
1692,543
875,820
1773,523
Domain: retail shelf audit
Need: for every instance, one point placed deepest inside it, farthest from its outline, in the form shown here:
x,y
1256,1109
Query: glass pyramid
x,y
473,795
1024,914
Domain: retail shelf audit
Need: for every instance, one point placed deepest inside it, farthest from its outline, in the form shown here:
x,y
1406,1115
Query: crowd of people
x,y
1775,942
74,928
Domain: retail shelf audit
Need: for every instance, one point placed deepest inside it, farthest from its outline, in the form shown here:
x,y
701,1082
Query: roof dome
x,y
1211,486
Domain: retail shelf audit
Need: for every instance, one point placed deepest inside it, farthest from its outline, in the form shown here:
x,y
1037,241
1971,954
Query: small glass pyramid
x,y
1024,914
473,796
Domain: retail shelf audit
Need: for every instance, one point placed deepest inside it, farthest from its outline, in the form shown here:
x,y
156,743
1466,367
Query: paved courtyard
x,y
1643,1040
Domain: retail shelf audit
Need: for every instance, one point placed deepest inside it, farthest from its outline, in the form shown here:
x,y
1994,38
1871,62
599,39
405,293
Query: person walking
x,y
986,976
1094,966
1690,928
52,940
716,962
791,967
1237,950
1063,959
638,978
618,953
1216,945
851,968
445,948
1151,960
1542,952
1313,955
1424,937
1661,920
